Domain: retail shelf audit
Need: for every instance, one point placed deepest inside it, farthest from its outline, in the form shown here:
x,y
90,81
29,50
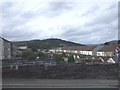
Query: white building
x,y
84,50
107,50
56,50
22,47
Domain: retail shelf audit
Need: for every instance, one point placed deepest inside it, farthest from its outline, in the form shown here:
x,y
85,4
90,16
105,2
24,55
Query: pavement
x,y
58,83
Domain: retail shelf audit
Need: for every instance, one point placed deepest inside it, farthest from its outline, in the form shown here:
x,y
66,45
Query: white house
x,y
22,47
56,50
84,50
107,50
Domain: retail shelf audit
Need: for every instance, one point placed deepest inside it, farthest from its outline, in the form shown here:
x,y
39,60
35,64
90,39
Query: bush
x,y
59,57
28,54
71,59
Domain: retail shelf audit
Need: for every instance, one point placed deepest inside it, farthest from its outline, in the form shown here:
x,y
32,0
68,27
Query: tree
x,y
71,59
64,54
41,55
59,57
28,54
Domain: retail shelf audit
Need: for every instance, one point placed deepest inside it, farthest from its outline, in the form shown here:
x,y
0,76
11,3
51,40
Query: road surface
x,y
58,83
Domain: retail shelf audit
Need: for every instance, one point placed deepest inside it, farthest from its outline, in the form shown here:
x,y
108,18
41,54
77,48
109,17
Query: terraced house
x,y
107,50
99,51
84,50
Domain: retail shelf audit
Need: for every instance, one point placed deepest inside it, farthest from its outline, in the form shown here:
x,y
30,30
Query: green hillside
x,y
112,42
46,43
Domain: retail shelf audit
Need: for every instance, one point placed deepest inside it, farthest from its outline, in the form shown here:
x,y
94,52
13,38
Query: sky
x,y
85,22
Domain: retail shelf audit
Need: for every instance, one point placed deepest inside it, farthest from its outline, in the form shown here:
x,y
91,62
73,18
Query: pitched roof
x,y
83,48
110,60
5,39
107,59
87,48
109,47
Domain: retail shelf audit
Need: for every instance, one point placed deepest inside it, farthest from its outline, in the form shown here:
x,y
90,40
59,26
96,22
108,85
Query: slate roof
x,y
107,48
81,48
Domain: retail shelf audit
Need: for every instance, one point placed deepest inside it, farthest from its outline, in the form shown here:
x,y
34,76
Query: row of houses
x,y
104,53
100,50
7,49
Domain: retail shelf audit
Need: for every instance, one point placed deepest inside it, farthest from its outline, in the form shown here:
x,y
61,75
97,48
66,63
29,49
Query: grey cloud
x,y
12,17
18,18
17,34
92,10
99,29
85,30
108,16
118,32
13,22
55,6
52,9
96,38
7,4
114,5
7,9
92,33
119,20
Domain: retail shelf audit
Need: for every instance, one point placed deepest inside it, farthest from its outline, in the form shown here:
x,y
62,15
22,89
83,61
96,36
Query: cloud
x,y
105,16
99,29
74,21
92,10
60,6
57,8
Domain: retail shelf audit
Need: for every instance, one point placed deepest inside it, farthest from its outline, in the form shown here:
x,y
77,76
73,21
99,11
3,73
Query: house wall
x,y
56,50
52,50
100,53
83,52
23,47
90,53
64,50
109,54
7,52
1,48
78,52
86,52
14,51
105,53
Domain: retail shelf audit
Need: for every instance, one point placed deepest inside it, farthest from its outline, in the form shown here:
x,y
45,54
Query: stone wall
x,y
74,71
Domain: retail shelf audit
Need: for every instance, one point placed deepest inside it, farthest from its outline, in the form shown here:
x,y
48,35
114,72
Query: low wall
x,y
73,71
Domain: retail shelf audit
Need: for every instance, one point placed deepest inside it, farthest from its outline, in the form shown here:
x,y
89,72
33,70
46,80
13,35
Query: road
x,y
55,83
